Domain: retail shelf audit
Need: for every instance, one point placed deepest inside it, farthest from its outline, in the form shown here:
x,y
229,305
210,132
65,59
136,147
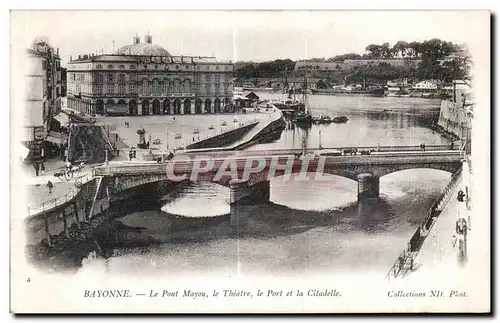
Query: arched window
x,y
165,85
177,86
144,86
187,86
156,87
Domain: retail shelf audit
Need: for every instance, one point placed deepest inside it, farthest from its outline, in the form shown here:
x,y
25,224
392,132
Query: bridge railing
x,y
181,166
52,203
60,200
395,148
408,255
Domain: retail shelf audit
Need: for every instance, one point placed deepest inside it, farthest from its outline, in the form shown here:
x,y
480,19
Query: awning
x,y
240,97
23,151
63,119
53,139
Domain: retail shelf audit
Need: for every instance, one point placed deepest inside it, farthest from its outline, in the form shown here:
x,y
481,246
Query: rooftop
x,y
142,49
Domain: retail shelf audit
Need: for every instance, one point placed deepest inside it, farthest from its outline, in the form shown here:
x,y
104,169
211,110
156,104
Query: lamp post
x,y
106,152
320,139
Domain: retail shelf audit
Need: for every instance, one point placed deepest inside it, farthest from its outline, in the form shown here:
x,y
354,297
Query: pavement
x,y
37,192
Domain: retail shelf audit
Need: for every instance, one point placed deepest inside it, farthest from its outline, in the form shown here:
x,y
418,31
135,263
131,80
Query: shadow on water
x,y
147,225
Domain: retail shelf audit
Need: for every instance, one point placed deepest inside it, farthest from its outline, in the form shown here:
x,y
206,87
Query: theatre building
x,y
144,79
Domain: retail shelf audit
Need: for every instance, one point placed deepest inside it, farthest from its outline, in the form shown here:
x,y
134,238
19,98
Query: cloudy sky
x,y
243,35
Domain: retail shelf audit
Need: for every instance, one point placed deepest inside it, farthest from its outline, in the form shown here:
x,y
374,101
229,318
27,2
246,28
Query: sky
x,y
242,35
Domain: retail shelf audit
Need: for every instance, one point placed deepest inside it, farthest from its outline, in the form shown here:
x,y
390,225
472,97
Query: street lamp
x,y
167,139
106,152
320,139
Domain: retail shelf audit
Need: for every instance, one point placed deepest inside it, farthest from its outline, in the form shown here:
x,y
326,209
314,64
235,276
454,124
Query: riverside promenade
x,y
441,255
442,262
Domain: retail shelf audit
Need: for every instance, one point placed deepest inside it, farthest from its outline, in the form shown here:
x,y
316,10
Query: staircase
x,y
88,144
95,185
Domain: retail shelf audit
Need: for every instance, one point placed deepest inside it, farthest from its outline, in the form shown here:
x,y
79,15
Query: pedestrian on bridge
x,y
50,186
42,168
36,165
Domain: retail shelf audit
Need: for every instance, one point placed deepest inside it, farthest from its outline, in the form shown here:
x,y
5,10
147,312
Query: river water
x,y
307,227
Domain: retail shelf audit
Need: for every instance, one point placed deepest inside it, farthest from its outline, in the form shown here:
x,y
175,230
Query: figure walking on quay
x,y
50,186
37,168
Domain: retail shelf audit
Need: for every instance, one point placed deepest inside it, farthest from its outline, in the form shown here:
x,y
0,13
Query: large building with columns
x,y
144,79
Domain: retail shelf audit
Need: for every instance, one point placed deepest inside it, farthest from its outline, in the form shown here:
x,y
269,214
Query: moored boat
x,y
341,119
304,119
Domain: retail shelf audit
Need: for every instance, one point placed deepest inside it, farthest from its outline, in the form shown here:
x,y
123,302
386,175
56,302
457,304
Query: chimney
x,y
149,39
137,40
79,56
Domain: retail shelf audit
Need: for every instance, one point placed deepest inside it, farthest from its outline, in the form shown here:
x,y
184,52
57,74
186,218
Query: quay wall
x,y
269,133
223,139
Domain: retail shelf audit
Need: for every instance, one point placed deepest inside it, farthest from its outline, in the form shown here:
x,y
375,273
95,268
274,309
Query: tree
x,y
457,68
400,48
374,50
414,49
343,57
385,50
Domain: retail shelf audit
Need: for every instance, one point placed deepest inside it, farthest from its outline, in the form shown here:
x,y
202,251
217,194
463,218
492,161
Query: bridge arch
x,y
447,167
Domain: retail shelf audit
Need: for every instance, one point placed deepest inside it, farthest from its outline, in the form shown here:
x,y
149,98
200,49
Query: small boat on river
x,y
211,127
341,119
224,123
323,120
196,131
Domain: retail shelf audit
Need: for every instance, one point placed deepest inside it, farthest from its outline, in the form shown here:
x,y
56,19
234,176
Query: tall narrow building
x,y
42,94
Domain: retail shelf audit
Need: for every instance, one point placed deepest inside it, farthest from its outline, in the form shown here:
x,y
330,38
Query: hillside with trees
x,y
430,52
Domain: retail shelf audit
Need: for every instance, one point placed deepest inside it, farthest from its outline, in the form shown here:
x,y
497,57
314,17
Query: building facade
x,y
43,90
425,85
144,79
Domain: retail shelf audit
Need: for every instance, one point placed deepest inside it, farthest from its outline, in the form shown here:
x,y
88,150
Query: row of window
x,y
111,77
121,90
156,66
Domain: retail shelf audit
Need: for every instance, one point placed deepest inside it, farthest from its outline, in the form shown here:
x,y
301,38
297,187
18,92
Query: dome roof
x,y
142,49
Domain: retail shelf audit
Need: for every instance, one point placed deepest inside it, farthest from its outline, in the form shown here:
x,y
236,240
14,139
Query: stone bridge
x,y
248,173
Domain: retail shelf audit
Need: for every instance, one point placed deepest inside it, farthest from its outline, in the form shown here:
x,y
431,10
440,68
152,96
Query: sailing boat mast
x,y
285,85
304,95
